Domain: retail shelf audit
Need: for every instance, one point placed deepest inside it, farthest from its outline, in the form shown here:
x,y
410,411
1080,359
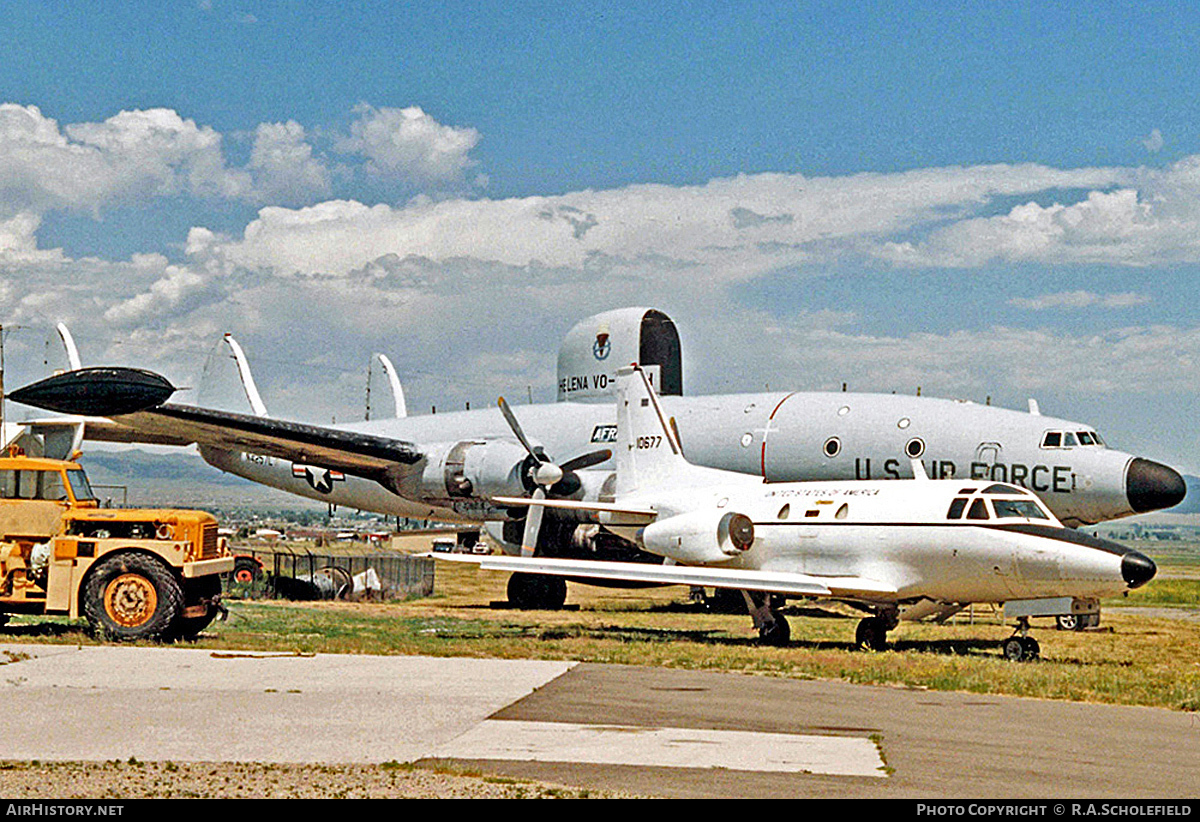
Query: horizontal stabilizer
x,y
736,578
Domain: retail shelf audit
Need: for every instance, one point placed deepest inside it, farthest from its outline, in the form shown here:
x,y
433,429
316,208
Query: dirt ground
x,y
219,780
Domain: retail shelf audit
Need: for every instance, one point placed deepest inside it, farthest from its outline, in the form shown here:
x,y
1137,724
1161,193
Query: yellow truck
x,y
132,573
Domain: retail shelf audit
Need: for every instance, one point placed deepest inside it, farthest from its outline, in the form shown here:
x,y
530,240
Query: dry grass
x,y
1132,659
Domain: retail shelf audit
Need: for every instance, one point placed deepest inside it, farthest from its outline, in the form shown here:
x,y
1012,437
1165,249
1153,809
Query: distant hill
x,y
178,479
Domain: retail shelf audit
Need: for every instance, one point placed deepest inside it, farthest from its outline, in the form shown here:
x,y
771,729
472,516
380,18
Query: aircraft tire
x,y
870,635
777,634
1021,649
1068,622
536,591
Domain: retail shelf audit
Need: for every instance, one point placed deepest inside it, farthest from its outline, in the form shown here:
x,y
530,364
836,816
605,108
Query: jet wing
x,y
709,577
134,399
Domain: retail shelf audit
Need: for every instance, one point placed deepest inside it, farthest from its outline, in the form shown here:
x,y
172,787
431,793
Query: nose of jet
x,y
1152,486
1137,569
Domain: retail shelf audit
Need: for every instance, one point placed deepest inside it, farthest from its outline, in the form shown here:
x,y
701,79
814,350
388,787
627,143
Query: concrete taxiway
x,y
643,730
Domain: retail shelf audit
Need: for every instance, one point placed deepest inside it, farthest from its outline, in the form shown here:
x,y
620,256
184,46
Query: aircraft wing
x,y
133,399
701,576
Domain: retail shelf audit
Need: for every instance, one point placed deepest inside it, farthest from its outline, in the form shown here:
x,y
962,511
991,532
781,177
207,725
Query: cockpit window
x,y
1071,439
977,510
1023,508
956,508
1002,489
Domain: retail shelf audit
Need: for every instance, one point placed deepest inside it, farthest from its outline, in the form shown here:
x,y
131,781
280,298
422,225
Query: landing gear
x,y
1020,647
871,634
773,628
1076,622
536,591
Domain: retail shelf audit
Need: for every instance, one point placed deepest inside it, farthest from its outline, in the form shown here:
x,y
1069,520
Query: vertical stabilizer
x,y
648,454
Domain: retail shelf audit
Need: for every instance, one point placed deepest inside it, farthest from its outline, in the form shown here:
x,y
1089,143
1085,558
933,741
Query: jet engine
x,y
700,536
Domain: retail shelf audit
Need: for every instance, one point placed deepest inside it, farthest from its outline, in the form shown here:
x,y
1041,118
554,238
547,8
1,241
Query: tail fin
x,y
216,384
648,452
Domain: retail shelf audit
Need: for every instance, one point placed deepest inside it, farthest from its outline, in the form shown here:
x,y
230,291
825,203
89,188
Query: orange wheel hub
x,y
130,600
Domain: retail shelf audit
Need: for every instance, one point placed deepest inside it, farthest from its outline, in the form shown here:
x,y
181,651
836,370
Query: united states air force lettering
x,y
1059,479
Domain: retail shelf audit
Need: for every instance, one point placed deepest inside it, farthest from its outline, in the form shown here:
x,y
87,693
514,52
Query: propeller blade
x,y
533,523
511,418
586,460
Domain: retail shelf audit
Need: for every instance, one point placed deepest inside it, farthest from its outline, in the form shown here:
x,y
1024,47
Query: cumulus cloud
x,y
284,169
410,146
1154,141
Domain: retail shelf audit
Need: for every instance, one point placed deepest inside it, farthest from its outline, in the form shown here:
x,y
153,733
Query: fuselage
x,y
946,541
782,437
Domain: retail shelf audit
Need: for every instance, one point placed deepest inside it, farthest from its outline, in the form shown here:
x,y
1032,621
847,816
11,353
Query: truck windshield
x,y
79,485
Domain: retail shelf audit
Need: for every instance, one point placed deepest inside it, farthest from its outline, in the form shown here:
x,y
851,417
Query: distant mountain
x,y
178,479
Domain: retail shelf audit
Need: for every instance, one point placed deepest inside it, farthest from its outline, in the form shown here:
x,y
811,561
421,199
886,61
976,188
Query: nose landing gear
x,y
1020,647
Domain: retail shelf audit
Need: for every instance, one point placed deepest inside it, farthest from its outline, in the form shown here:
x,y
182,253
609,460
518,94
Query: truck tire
x,y
202,591
131,596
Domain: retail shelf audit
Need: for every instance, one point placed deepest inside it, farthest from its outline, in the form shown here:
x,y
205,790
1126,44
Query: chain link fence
x,y
308,576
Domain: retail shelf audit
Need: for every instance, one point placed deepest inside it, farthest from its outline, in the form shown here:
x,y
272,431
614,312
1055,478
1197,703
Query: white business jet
x,y
898,548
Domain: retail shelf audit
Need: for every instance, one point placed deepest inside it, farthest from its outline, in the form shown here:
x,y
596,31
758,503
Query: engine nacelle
x,y
700,536
473,469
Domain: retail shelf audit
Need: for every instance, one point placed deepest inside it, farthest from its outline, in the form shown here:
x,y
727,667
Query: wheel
x,y
131,596
776,633
871,635
1068,622
1032,649
246,570
1021,648
1014,649
536,591
201,598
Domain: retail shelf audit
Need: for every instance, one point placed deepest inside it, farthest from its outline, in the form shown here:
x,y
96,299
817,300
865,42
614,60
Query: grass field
x,y
1133,658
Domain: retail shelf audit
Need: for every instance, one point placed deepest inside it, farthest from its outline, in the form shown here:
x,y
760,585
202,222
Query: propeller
x,y
546,474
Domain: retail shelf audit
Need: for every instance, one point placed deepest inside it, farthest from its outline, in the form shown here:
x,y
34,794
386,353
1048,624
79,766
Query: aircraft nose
x,y
1152,486
1137,569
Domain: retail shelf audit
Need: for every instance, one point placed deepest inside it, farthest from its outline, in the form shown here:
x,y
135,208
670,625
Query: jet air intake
x,y
700,537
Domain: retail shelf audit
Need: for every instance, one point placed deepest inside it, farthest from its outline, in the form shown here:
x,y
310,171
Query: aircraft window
x,y
833,447
967,491
1002,489
812,512
747,438
1069,440
1096,437
956,508
904,422
915,447
1053,439
784,511
1085,438
843,511
978,510
843,411
1024,508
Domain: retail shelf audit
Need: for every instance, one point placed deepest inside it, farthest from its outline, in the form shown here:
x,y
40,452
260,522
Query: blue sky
x,y
987,200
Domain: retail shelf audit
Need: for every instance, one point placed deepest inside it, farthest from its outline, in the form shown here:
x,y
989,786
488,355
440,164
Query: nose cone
x,y
1152,486
1137,569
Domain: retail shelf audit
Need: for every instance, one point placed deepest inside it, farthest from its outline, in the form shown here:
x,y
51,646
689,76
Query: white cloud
x,y
1154,141
408,145
1080,299
283,166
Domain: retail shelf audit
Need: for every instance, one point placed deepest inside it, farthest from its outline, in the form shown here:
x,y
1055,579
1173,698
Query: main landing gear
x,y
871,634
1020,647
773,628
